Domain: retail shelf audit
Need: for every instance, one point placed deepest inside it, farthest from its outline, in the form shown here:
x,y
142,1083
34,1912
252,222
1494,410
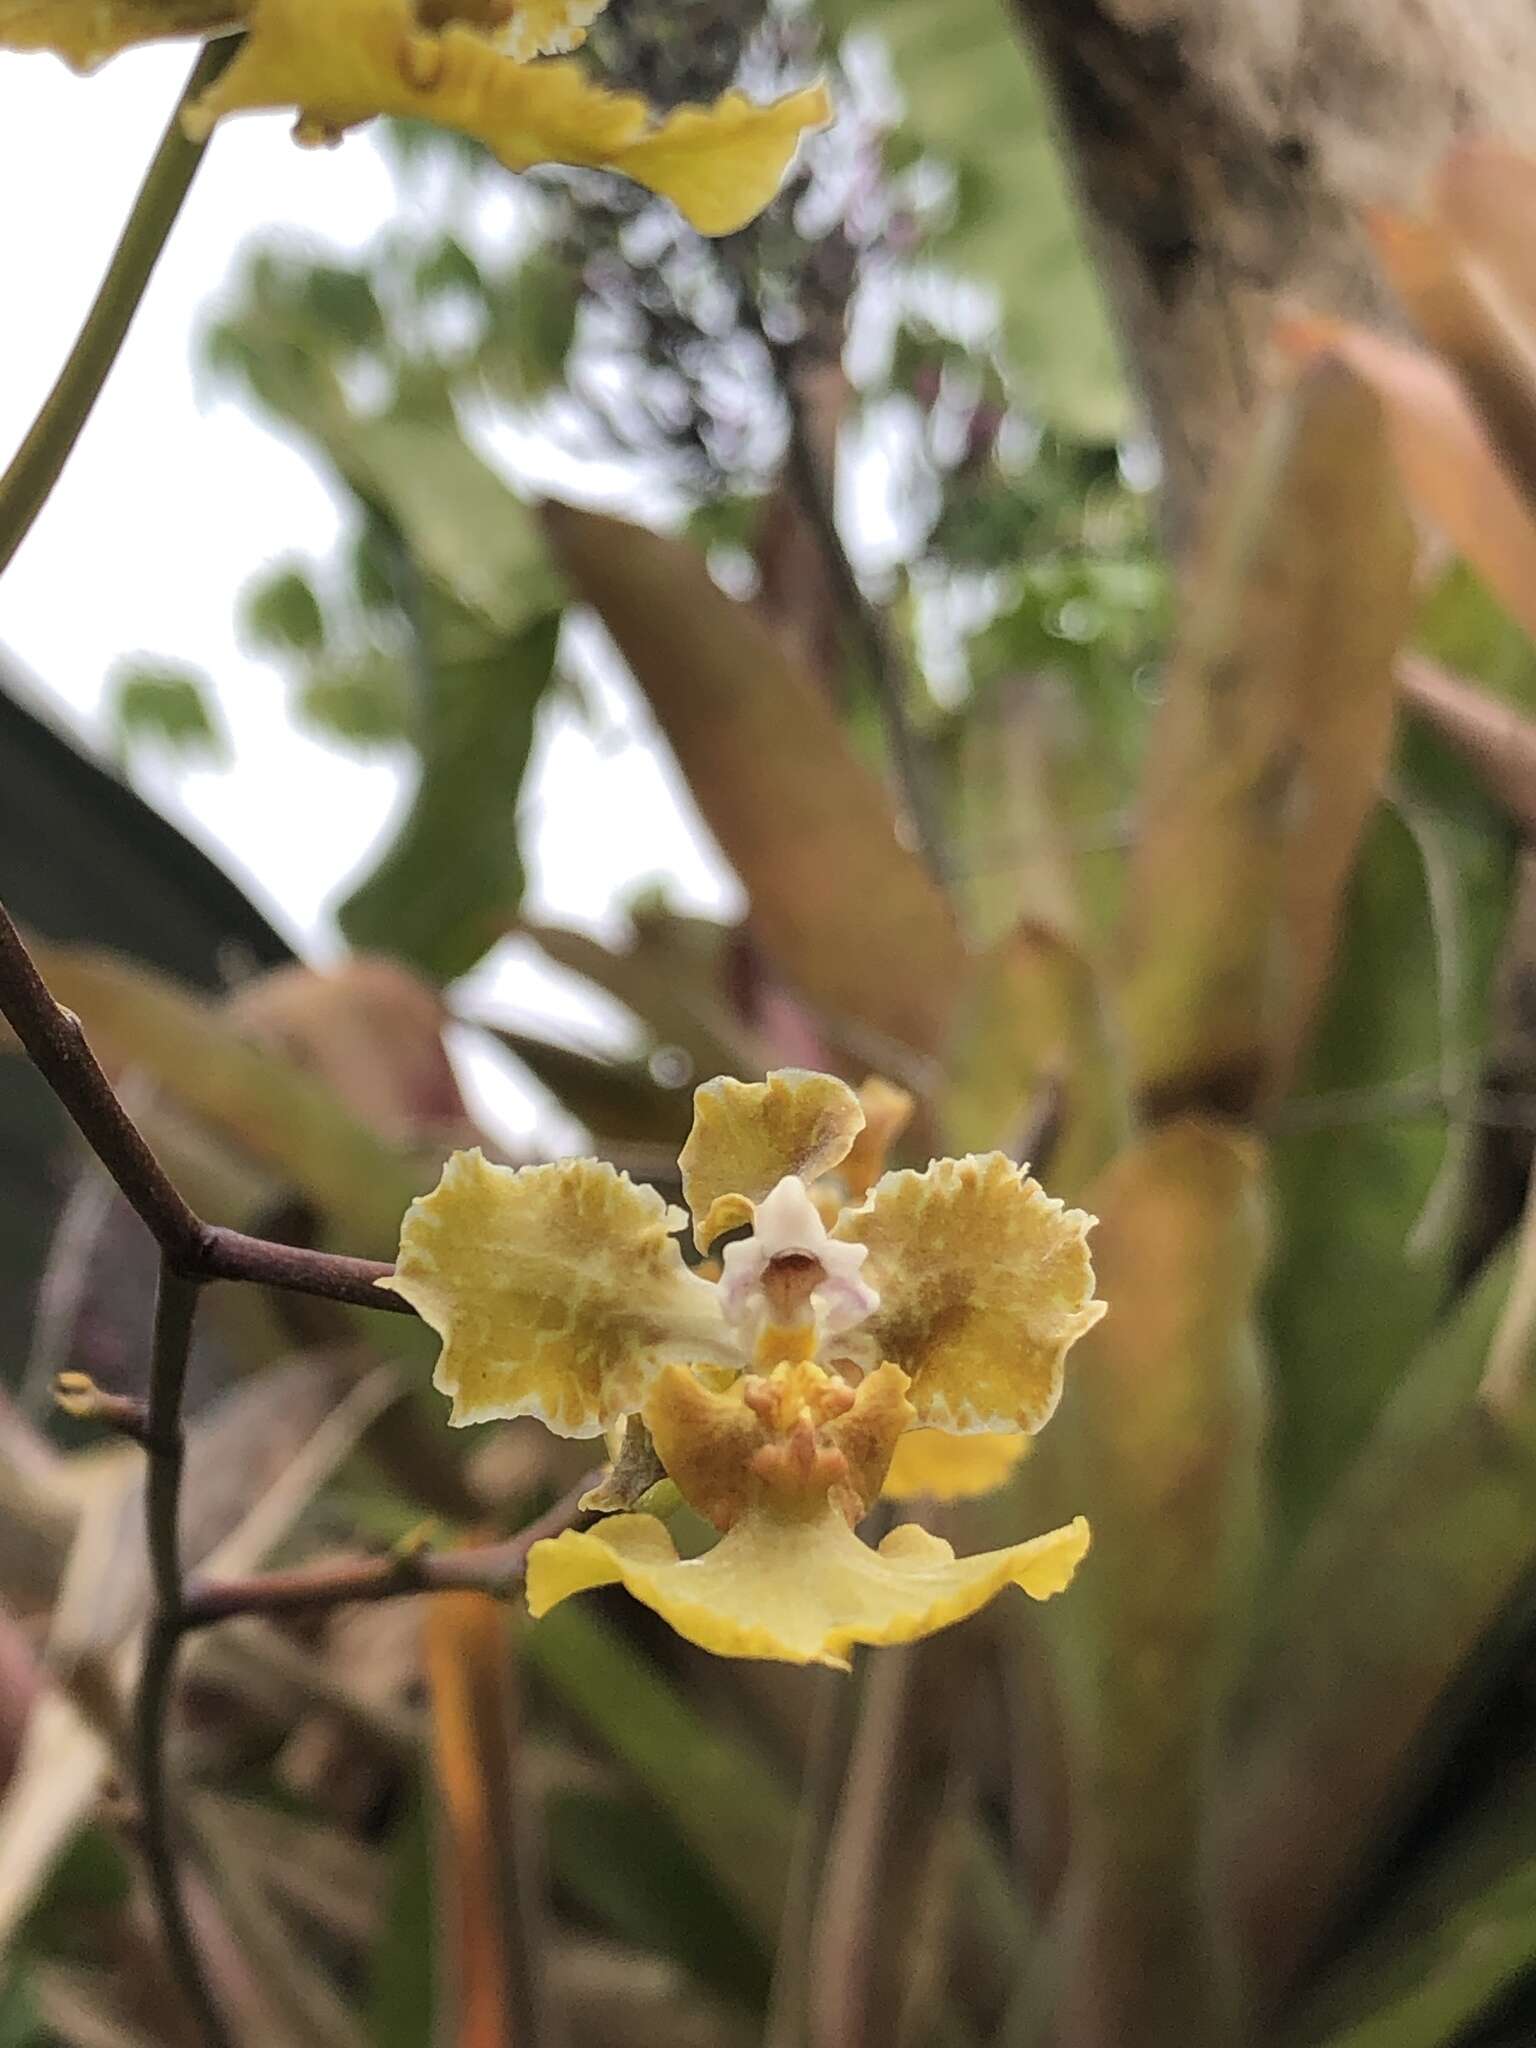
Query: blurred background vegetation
x,y
1196,878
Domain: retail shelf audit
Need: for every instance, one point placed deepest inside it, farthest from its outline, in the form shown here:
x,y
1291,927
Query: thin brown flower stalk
x,y
192,1253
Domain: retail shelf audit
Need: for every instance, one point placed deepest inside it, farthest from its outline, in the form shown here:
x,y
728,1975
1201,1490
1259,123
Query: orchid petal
x,y
351,59
803,1591
748,1136
557,1290
985,1284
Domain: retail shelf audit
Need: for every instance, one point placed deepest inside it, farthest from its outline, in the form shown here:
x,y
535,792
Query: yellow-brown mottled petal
x,y
793,1438
871,1432
804,1591
557,1291
86,32
747,1136
706,1440
985,1284
931,1464
351,59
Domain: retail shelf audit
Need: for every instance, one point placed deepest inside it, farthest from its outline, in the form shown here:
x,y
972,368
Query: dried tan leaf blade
x,y
558,1292
985,1284
748,1135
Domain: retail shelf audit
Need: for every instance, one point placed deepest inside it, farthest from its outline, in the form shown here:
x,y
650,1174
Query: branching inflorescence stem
x,y
192,1253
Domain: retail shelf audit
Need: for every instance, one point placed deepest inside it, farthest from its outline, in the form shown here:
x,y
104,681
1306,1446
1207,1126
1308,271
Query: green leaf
x,y
532,326
364,703
447,269
1361,1269
673,975
974,103
1459,1936
621,1102
402,1989
408,462
20,2025
281,614
719,1794
166,704
464,527
449,886
627,1865
1423,1547
1158,1440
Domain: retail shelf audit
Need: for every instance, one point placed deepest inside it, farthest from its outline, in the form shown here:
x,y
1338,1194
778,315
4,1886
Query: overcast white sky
x,y
173,498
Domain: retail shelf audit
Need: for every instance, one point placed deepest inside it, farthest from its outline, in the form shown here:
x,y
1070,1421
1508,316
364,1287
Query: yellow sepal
x,y
558,1292
747,1136
985,1284
932,1464
351,59
801,1591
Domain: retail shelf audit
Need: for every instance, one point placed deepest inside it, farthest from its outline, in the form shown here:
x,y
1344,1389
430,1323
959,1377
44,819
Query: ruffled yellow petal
x,y
747,1136
795,1438
721,165
86,32
351,59
557,1290
985,1284
802,1591
930,1464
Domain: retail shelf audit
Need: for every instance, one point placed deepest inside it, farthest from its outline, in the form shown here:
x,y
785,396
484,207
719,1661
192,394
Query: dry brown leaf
x,y
1495,739
242,1500
845,910
371,1030
1462,311
1449,471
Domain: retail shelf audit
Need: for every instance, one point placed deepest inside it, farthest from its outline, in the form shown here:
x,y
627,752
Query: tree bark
x,y
1224,150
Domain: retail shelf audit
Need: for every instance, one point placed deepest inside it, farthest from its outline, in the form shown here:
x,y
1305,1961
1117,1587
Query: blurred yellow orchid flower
x,y
777,1397
463,64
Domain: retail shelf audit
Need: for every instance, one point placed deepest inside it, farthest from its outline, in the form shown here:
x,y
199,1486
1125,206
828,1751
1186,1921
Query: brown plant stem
x,y
175,1308
195,1250
495,1568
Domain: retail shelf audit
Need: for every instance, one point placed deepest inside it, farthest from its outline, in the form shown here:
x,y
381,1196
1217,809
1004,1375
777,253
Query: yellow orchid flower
x,y
779,1397
463,64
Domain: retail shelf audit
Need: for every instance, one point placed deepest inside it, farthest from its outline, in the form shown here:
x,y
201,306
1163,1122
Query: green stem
x,y
26,485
